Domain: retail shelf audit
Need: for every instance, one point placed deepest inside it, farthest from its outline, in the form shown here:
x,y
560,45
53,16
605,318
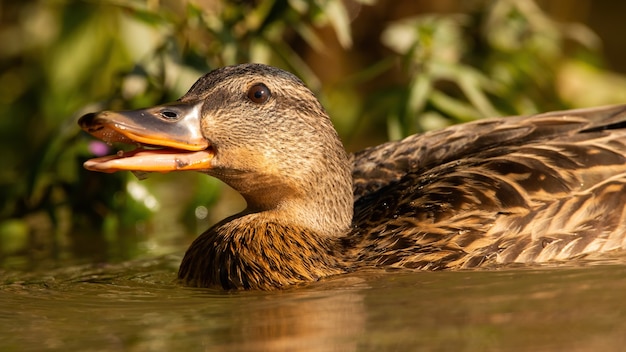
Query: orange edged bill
x,y
168,136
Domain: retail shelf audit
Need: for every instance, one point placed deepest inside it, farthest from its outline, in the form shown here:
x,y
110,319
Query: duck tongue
x,y
174,130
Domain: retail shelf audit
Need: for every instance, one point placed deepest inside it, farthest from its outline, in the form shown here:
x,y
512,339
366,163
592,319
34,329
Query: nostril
x,y
169,115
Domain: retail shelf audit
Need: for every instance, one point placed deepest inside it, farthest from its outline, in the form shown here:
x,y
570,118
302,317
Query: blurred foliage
x,y
61,59
500,58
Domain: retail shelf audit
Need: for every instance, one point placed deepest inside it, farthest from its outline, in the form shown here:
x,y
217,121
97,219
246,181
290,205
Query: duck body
x,y
496,191
508,190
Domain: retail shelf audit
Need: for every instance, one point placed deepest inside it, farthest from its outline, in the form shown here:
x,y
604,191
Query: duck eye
x,y
259,93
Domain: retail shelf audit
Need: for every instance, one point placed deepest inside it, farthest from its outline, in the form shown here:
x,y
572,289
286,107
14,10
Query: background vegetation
x,y
383,69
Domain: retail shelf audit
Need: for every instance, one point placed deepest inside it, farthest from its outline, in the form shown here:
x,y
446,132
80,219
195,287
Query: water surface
x,y
137,306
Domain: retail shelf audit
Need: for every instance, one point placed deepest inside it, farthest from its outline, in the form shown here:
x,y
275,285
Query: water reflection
x,y
137,306
143,309
328,320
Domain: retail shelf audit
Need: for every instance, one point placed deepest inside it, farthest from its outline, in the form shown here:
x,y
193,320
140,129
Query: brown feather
x,y
527,189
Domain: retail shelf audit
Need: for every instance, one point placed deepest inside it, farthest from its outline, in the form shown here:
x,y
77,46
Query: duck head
x,y
255,127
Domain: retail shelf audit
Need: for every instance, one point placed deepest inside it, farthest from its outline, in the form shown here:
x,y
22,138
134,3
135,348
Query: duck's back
x,y
517,189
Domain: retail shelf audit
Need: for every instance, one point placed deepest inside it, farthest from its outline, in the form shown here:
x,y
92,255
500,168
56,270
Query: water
x,y
137,306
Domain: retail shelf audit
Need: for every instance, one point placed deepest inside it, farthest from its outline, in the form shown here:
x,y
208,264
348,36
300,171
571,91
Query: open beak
x,y
168,136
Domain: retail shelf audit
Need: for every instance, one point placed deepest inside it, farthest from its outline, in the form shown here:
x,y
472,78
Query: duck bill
x,y
169,139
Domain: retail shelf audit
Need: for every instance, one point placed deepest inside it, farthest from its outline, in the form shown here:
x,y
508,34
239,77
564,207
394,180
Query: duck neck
x,y
253,251
317,197
327,215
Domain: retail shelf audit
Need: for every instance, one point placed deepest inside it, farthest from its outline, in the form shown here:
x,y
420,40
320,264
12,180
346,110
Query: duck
x,y
543,188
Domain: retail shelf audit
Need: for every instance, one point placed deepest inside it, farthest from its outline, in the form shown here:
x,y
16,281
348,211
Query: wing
x,y
521,189
375,167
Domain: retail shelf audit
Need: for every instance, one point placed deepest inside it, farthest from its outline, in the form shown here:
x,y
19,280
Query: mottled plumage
x,y
517,189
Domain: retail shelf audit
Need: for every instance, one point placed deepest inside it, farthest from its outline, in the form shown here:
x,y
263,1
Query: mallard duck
x,y
532,189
